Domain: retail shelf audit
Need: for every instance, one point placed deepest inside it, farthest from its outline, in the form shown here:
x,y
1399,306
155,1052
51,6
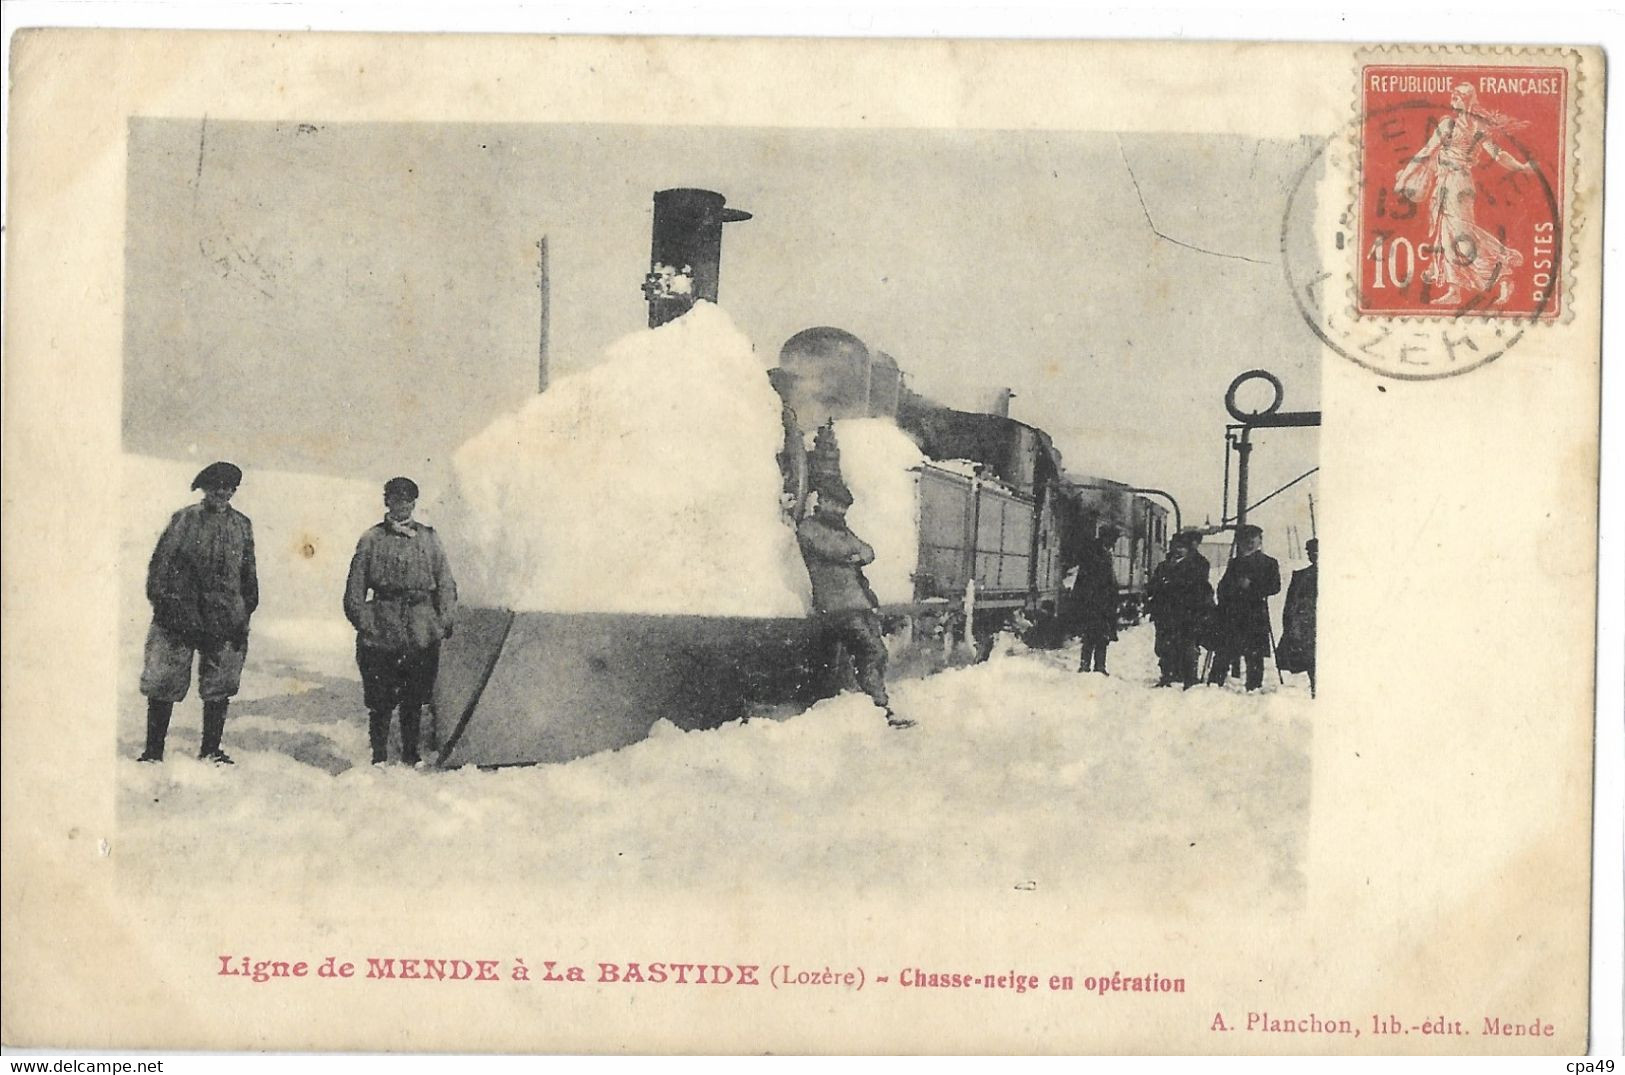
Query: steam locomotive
x,y
998,539
1001,520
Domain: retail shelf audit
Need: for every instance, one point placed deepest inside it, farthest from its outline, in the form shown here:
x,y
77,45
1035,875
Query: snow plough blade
x,y
533,687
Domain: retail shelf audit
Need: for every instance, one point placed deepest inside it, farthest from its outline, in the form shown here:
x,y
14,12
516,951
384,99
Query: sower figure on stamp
x,y
402,565
1094,601
203,587
1243,615
1296,653
1462,254
845,606
1180,598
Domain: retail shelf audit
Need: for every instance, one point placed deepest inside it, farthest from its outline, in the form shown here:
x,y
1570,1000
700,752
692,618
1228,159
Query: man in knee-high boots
x,y
203,587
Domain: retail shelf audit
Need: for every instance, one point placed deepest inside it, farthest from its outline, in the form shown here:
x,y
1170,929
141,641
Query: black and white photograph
x,y
861,481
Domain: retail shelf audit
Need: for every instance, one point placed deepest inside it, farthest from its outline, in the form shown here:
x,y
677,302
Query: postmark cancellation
x,y
1446,210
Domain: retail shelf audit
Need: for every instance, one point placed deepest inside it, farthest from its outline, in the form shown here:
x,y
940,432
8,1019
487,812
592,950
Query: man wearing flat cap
x,y
846,609
203,587
401,599
1094,600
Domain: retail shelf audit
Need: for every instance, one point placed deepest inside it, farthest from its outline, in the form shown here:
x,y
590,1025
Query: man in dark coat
x,y
203,587
1243,615
412,606
1094,601
1296,653
1180,598
845,606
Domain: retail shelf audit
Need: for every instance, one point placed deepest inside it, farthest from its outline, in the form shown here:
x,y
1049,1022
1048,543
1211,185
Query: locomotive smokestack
x,y
685,257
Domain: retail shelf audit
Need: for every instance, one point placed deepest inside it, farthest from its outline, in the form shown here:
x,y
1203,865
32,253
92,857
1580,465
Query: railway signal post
x,y
1239,436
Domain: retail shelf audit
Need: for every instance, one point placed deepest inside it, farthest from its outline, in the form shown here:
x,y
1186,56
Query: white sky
x,y
359,299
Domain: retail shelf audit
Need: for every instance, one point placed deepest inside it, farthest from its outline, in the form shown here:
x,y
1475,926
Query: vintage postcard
x,y
655,545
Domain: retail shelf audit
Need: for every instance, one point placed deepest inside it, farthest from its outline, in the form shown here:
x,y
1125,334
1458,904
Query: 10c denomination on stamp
x,y
1461,174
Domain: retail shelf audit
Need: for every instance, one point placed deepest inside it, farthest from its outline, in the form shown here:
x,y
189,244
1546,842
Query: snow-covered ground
x,y
1021,772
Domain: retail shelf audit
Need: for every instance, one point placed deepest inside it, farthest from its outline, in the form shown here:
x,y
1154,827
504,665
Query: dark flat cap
x,y
834,491
221,475
401,487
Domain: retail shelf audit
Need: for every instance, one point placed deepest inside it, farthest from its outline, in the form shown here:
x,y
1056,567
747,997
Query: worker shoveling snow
x,y
647,484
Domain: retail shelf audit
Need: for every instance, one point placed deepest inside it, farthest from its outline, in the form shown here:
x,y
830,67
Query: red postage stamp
x,y
1461,180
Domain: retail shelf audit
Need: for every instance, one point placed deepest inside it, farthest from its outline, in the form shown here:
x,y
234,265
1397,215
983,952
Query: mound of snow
x,y
647,484
878,463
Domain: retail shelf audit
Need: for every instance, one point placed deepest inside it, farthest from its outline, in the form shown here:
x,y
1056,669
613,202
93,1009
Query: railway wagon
x,y
988,523
974,530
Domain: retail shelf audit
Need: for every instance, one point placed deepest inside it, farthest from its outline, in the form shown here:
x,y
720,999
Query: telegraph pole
x,y
542,286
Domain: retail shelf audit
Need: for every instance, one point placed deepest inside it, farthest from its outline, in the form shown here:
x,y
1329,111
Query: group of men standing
x,y
1233,623
203,585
